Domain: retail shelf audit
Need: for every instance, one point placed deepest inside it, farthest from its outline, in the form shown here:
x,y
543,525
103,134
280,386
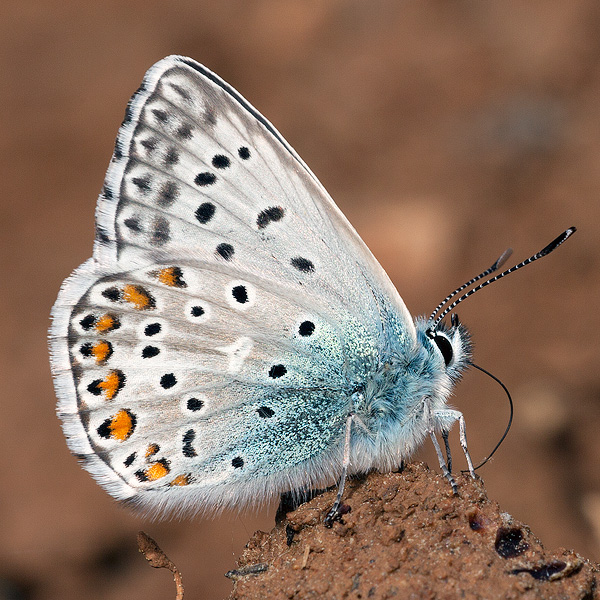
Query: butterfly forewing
x,y
197,172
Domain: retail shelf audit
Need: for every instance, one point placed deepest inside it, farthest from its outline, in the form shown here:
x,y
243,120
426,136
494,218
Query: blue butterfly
x,y
232,337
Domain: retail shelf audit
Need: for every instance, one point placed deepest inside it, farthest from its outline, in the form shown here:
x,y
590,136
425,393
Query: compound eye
x,y
445,347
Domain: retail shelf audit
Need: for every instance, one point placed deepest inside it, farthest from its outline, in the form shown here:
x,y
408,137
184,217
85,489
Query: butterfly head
x,y
450,347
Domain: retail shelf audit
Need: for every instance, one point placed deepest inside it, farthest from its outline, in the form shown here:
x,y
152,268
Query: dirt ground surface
x,y
446,132
407,537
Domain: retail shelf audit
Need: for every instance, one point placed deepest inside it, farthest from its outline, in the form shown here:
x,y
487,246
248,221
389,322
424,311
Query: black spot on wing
x,y
171,157
150,352
269,215
204,179
188,448
194,404
133,223
226,251
160,115
220,161
277,371
205,212
197,311
306,328
168,193
303,264
112,293
167,381
87,322
240,293
181,91
152,329
160,232
264,412
142,183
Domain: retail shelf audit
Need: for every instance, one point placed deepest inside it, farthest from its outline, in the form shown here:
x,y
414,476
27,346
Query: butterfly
x,y
232,337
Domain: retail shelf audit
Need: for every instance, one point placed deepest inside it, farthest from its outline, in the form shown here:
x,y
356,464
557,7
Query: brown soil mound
x,y
406,536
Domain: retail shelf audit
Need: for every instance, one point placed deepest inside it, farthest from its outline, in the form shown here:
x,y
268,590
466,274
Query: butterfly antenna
x,y
510,419
501,260
553,245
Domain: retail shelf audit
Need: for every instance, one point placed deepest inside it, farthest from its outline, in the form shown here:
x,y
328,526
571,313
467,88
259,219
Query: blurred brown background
x,y
446,131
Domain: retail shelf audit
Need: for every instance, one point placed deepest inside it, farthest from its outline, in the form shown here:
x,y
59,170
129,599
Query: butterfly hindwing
x,y
192,360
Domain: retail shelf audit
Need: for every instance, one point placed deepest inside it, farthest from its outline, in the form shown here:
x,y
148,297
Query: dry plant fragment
x,y
305,556
159,560
248,570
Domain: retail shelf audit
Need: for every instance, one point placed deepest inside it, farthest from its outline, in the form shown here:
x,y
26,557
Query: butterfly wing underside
x,y
206,354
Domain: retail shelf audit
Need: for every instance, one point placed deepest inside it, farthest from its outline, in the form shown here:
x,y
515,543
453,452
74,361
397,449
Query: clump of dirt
x,y
406,536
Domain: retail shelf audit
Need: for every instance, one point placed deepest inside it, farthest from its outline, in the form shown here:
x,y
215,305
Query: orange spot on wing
x,y
138,296
101,351
121,425
171,276
181,480
106,323
152,450
112,383
157,470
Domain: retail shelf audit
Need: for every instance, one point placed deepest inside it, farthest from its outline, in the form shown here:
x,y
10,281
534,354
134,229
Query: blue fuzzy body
x,y
410,374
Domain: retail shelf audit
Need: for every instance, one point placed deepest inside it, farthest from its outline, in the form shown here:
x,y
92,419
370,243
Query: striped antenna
x,y
501,260
553,245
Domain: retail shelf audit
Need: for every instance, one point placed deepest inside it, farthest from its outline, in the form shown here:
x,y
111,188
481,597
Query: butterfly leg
x,y
333,514
443,465
445,433
455,415
433,418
